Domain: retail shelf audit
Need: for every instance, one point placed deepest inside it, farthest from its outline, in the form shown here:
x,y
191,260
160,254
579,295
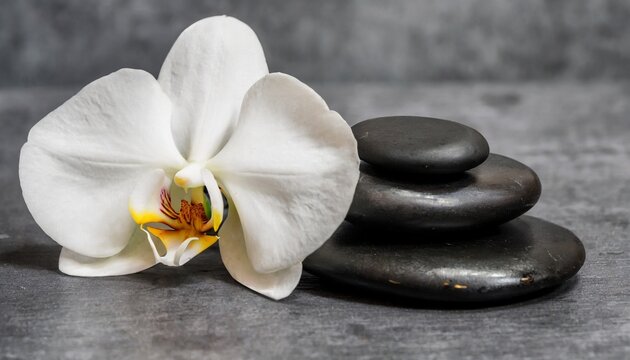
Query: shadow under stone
x,y
329,289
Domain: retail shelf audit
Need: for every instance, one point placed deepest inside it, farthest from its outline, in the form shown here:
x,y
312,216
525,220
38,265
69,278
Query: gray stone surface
x,y
576,136
74,41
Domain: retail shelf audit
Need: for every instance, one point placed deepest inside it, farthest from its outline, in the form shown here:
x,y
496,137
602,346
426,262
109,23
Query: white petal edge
x,y
122,118
137,256
291,168
82,161
206,74
276,285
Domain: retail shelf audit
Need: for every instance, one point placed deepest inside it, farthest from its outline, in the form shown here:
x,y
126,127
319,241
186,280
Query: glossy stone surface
x,y
513,260
419,145
497,191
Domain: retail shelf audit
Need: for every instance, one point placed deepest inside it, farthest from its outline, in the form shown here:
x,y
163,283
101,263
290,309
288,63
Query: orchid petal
x,y
206,74
291,168
276,285
150,201
135,257
216,199
122,118
190,176
82,161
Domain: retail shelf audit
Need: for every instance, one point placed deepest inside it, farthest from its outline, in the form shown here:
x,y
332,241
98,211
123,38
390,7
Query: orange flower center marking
x,y
191,216
190,231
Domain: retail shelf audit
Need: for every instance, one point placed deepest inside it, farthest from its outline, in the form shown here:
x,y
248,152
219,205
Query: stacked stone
x,y
437,217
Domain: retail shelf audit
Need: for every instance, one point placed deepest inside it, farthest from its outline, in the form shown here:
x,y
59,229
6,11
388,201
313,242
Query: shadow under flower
x,y
46,256
31,256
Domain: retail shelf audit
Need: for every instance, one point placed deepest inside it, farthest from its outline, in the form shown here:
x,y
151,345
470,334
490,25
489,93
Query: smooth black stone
x,y
497,191
520,258
419,145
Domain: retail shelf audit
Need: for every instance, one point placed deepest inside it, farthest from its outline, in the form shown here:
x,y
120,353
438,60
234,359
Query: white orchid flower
x,y
116,174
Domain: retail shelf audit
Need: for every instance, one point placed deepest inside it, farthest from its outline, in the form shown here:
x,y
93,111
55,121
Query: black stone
x,y
497,191
516,259
420,145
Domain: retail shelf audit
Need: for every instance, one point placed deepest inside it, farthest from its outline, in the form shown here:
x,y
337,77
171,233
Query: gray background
x,y
545,81
75,41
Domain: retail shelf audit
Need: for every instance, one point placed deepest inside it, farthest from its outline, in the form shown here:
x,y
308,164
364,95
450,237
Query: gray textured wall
x,y
74,41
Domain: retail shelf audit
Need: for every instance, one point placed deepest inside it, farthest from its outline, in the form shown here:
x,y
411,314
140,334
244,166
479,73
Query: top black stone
x,y
420,145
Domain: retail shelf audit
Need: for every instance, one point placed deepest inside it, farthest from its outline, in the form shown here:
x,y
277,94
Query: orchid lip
x,y
181,234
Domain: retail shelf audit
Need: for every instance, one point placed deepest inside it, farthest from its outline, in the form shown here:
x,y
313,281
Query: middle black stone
x,y
496,191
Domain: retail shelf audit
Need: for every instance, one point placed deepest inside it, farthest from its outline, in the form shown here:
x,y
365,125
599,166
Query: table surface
x,y
576,136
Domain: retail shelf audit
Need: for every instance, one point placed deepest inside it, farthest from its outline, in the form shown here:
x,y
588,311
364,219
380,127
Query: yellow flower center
x,y
186,232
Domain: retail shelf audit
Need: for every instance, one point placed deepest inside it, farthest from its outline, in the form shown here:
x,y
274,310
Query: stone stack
x,y
437,217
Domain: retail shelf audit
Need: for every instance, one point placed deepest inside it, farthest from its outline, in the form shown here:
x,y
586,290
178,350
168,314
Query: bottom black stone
x,y
510,261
